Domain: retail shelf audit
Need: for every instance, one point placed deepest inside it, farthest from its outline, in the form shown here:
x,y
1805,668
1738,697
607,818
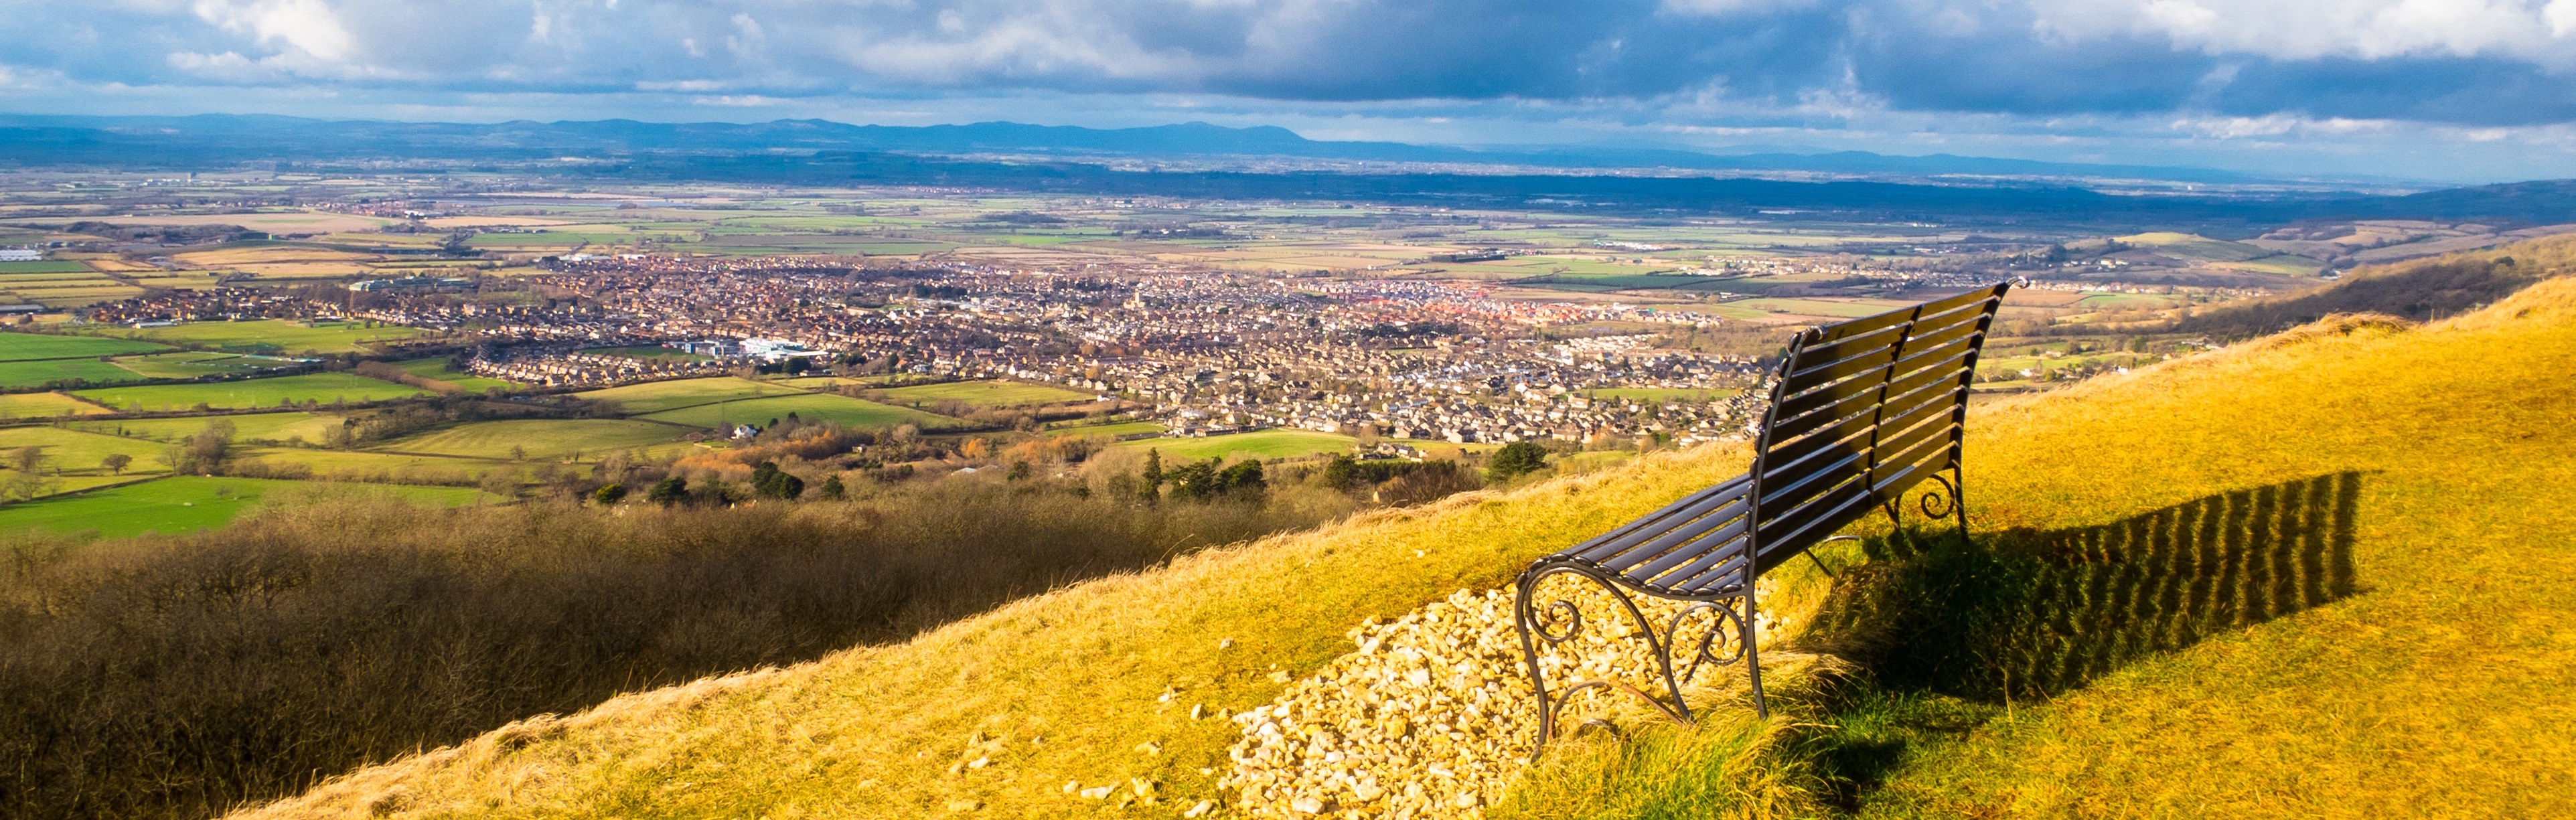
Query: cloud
x,y
2313,29
2474,62
1878,74
307,25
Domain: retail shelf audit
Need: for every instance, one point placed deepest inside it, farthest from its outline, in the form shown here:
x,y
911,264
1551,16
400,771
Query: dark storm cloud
x,y
2474,62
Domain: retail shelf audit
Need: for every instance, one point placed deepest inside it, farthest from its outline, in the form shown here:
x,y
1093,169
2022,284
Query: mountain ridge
x,y
1192,139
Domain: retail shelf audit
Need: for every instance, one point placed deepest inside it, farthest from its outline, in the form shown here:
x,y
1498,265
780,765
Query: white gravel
x,y
1432,715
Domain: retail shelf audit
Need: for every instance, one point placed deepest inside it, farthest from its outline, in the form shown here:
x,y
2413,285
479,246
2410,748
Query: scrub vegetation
x,y
339,625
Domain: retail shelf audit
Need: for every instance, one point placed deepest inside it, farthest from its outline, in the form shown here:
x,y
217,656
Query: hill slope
x,y
2438,676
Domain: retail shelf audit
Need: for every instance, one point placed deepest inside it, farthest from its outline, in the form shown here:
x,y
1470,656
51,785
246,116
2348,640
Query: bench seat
x,y
1861,412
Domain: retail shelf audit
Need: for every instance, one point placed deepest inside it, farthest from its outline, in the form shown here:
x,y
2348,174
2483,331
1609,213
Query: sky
x,y
2438,90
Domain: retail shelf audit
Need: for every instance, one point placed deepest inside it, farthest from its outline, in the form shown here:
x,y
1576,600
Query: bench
x,y
1861,412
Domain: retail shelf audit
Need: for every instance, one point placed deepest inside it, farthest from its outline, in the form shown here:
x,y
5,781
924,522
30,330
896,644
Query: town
x,y
1207,353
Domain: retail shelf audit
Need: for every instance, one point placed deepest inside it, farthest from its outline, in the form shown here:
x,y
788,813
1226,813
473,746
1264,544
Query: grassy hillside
x,y
840,410
181,504
536,438
652,397
319,387
2421,290
2426,669
2430,685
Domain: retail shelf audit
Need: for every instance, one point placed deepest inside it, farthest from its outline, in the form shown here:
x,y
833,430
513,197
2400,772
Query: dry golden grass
x,y
2441,686
1054,689
2443,683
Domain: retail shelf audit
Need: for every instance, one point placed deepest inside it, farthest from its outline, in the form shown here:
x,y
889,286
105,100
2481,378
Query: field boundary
x,y
97,487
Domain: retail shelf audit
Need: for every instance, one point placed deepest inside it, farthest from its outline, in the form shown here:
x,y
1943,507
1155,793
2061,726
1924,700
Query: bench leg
x,y
1533,609
1752,653
1950,501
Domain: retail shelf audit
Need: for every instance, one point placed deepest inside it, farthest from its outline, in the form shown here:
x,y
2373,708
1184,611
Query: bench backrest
x,y
1861,412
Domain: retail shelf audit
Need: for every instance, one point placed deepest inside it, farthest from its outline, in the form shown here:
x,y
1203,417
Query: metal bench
x,y
1861,412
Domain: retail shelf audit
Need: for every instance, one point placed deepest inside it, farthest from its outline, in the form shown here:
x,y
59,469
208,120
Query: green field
x,y
47,371
2103,301
1120,429
192,364
76,297
847,412
248,393
2198,248
820,382
987,394
1728,310
23,346
73,451
651,397
1266,444
436,368
2284,264
537,438
272,335
395,467
310,427
181,504
49,266
44,405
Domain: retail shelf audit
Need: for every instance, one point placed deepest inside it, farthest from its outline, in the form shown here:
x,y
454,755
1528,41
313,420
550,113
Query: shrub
x,y
178,676
669,491
1515,460
771,482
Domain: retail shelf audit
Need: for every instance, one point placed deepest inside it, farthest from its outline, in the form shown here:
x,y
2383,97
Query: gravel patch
x,y
1432,715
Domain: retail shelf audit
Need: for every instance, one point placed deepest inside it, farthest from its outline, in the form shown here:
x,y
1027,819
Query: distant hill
x,y
38,139
2419,290
1065,159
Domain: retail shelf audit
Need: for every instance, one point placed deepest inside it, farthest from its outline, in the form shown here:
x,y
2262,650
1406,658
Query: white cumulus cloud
x,y
2313,29
307,25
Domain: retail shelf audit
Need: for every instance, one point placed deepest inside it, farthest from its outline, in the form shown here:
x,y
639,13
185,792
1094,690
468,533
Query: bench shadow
x,y
2026,614
2029,614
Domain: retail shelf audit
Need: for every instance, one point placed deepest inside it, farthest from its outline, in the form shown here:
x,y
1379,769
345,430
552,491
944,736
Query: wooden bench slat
x,y
1781,488
1906,418
1857,406
1666,557
1793,531
1853,358
1716,573
1627,536
1867,324
1837,370
1929,383
1792,406
1844,330
1676,539
1944,339
1791,458
1853,346
1914,464
1903,439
